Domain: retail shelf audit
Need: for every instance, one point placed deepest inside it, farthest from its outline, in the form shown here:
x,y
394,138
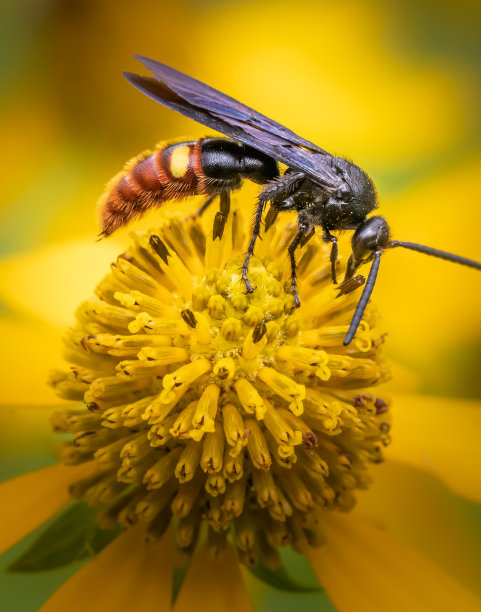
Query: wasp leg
x,y
328,237
250,249
300,237
281,188
225,203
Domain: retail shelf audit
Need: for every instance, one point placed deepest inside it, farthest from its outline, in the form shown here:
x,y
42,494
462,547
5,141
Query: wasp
x,y
326,191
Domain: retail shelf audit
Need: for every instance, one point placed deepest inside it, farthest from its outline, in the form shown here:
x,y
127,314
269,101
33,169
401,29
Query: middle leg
x,y
328,237
302,236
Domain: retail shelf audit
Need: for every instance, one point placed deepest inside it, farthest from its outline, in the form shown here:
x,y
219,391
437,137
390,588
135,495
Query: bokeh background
x,y
394,85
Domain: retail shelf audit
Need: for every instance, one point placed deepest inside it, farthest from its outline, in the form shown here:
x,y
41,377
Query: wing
x,y
227,116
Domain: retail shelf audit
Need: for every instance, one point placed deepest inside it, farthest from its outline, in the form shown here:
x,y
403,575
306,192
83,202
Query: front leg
x,y
278,189
250,249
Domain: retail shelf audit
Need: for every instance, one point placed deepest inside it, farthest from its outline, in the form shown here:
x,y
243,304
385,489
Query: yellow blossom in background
x,y
393,86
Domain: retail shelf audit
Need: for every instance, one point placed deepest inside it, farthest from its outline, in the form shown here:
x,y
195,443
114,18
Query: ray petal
x,y
213,585
441,436
31,499
127,575
49,283
365,569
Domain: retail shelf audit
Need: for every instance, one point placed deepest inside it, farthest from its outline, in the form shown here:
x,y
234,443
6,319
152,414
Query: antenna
x,y
366,294
420,248
413,246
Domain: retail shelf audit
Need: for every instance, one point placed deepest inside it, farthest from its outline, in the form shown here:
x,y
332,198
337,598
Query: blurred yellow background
x,y
394,86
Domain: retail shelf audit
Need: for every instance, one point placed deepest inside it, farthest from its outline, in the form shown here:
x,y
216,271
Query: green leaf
x,y
102,538
281,580
178,578
72,536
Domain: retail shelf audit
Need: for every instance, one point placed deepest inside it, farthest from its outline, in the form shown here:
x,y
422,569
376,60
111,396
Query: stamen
x,y
266,490
234,429
163,355
213,451
225,368
173,268
187,530
185,375
305,358
183,423
284,435
204,416
162,469
132,276
189,461
285,387
249,398
186,498
215,485
157,325
234,499
155,306
231,329
123,346
233,466
257,446
254,342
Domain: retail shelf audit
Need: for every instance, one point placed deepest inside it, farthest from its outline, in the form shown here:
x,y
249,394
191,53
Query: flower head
x,y
205,403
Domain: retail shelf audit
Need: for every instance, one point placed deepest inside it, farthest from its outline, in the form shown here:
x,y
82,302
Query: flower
x,y
213,405
207,403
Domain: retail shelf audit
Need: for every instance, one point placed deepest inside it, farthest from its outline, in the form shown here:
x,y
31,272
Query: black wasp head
x,y
368,243
370,236
352,198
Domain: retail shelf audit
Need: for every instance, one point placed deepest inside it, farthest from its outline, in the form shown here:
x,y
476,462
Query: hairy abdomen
x,y
170,172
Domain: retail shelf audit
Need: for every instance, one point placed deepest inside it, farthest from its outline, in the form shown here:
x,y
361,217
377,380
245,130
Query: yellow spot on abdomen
x,y
179,161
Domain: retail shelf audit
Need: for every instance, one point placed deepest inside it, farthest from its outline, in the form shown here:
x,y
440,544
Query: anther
x,y
350,285
259,331
159,248
219,225
189,318
270,218
380,405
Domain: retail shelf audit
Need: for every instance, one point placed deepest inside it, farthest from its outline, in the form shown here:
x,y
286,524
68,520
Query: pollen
x,y
204,404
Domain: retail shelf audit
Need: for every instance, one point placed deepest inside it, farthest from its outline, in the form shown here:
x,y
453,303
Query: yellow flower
x,y
206,403
235,410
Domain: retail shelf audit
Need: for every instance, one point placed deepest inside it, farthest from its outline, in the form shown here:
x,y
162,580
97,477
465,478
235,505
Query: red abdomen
x,y
170,172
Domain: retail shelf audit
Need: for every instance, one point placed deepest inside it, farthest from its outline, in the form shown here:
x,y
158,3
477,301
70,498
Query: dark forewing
x,y
224,114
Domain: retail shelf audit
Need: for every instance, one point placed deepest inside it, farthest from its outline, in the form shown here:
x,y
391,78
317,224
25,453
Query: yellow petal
x,y
440,436
126,576
29,353
429,306
29,500
213,586
365,569
417,509
51,282
403,380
